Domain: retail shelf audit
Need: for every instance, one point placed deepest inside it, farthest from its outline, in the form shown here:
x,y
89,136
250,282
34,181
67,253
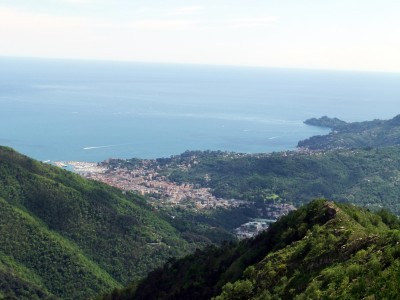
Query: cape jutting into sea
x,y
91,111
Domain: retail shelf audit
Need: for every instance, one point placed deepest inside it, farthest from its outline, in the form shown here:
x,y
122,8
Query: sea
x,y
62,110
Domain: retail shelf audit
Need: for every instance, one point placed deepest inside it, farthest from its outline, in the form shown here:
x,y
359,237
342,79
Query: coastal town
x,y
146,178
147,181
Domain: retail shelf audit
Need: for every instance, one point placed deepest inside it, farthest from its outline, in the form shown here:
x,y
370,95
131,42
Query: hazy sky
x,y
328,34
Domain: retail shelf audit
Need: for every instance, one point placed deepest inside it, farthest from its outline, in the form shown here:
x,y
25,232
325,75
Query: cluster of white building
x,y
147,181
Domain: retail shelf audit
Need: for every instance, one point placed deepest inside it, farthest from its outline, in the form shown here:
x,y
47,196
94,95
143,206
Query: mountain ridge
x,y
322,250
74,237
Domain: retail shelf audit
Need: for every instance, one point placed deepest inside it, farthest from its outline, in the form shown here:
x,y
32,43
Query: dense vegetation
x,y
66,237
366,177
321,251
357,163
207,227
376,133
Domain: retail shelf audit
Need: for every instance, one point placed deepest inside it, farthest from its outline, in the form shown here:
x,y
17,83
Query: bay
x,y
92,110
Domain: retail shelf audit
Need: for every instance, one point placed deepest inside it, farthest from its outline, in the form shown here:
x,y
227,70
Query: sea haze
x,y
90,111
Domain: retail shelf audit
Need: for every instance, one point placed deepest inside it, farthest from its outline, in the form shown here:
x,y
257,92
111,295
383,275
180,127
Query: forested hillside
x,y
376,133
366,177
357,162
321,251
64,237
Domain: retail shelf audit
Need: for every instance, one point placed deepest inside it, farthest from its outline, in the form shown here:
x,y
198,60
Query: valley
x,y
77,237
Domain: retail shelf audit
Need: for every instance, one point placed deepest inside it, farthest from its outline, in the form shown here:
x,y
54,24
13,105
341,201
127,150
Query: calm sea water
x,y
80,110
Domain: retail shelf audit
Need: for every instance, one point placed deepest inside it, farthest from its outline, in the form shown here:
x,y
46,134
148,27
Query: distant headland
x,y
375,134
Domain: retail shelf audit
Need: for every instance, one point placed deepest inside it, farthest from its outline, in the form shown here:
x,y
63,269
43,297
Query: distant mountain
x,y
321,251
376,133
64,237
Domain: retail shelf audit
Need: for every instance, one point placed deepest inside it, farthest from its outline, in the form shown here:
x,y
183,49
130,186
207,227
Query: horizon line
x,y
110,60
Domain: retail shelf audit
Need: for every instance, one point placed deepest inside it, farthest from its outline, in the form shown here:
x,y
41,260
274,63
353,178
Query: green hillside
x,y
376,133
64,237
365,177
321,251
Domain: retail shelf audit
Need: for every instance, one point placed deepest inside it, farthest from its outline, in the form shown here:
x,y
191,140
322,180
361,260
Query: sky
x,y
312,34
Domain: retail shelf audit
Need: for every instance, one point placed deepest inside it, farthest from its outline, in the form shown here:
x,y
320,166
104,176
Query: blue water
x,y
81,110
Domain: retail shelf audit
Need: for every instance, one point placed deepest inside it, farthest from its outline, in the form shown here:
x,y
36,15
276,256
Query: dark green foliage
x,y
392,221
210,226
366,177
321,251
75,237
14,287
202,274
352,256
376,133
55,263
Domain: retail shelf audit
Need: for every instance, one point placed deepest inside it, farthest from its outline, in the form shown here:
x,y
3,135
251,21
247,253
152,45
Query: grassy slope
x,y
321,251
75,237
352,256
